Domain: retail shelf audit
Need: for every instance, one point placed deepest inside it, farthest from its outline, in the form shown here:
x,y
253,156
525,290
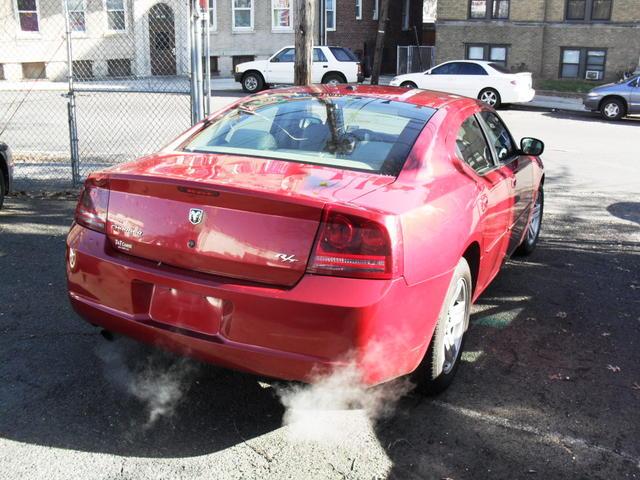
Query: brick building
x,y
565,39
354,24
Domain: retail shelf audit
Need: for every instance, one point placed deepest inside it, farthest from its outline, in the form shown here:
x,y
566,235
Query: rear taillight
x,y
350,246
359,69
91,211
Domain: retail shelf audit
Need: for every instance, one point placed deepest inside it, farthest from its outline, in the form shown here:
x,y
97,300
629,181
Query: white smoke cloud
x,y
337,405
158,381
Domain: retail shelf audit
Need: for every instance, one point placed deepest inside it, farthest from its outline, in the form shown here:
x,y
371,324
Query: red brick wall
x,y
360,35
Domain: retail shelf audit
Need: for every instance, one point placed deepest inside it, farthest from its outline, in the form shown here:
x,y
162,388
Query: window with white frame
x,y
376,9
213,15
242,13
281,15
76,10
330,14
116,17
487,52
358,9
406,7
28,15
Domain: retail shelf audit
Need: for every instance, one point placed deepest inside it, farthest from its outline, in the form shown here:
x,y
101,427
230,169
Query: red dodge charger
x,y
300,230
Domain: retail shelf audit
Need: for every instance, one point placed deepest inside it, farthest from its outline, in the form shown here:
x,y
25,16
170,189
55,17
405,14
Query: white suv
x,y
331,65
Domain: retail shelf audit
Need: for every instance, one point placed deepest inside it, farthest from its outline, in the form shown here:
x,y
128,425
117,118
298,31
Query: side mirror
x,y
428,72
531,146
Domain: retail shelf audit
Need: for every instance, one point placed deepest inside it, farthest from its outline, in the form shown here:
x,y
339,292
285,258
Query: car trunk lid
x,y
246,218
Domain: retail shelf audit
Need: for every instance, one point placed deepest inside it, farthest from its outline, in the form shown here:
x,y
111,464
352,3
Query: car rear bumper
x,y
318,325
520,96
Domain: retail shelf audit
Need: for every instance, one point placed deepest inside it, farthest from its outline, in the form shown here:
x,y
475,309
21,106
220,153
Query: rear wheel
x,y
491,97
409,85
442,359
3,189
530,241
252,82
333,79
612,109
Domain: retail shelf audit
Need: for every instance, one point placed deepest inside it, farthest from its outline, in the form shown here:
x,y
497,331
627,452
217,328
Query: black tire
x,y
3,189
530,240
408,85
436,373
252,82
491,97
612,109
333,79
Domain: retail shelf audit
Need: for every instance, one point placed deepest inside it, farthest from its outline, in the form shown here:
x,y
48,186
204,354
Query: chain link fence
x,y
413,59
131,71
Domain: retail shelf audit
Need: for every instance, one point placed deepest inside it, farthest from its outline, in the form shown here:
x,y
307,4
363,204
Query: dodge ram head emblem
x,y
195,215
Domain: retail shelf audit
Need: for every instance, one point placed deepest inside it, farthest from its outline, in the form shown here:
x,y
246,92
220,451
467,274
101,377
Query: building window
x,y
34,70
119,67
589,10
358,9
406,7
583,63
376,9
242,13
487,52
116,18
76,9
213,66
281,15
213,15
82,69
28,15
330,14
489,9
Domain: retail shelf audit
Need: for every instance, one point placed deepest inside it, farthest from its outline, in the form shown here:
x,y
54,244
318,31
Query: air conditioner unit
x,y
593,75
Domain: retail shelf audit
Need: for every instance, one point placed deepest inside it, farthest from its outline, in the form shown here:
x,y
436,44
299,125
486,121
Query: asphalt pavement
x,y
549,386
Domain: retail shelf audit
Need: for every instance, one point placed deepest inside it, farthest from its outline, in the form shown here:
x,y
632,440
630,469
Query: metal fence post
x,y
196,62
207,63
71,105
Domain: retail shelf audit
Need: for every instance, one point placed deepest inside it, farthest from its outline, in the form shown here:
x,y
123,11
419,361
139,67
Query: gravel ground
x,y
549,387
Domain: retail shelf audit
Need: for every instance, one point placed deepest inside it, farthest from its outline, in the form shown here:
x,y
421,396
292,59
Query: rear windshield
x,y
343,54
350,132
500,68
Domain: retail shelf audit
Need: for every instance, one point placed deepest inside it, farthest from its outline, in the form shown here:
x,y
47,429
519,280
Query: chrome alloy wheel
x,y
536,217
455,325
251,83
612,110
489,97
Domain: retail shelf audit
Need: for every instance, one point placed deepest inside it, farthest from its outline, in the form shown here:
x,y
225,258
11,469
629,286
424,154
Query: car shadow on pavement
x,y
592,117
626,210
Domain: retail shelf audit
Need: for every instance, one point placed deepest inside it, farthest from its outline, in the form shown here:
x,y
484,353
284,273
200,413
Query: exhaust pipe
x,y
107,335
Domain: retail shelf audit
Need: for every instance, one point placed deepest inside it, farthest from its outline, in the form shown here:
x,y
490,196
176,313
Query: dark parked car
x,y
615,100
6,171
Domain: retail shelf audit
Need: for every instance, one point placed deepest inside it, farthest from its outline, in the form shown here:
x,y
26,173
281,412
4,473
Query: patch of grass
x,y
573,86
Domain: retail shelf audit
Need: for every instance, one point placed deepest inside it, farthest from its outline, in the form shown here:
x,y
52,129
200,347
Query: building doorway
x,y
162,40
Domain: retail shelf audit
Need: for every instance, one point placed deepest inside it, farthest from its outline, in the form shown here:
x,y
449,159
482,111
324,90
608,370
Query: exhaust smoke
x,y
157,380
336,406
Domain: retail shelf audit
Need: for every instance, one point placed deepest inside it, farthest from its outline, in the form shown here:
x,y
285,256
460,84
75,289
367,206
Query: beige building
x,y
567,39
134,38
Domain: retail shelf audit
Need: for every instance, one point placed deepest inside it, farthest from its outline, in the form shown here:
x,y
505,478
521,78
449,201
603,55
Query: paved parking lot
x,y
549,387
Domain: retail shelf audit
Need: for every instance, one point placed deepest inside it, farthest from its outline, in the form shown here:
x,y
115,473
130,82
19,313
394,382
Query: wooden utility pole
x,y
304,41
377,55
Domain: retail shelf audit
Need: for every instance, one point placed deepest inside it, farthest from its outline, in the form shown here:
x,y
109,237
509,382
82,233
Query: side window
x,y
287,55
318,55
472,147
447,69
499,136
472,69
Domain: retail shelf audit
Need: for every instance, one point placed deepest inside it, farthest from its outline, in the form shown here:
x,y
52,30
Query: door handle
x,y
325,66
514,181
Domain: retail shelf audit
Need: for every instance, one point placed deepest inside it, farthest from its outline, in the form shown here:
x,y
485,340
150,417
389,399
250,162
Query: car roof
x,y
424,98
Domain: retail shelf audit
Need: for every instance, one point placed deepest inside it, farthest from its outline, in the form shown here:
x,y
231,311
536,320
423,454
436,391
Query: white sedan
x,y
488,81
